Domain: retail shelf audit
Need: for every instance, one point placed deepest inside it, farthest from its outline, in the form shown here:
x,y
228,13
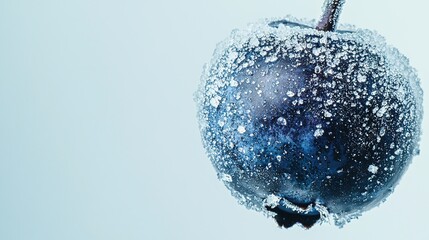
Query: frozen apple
x,y
307,121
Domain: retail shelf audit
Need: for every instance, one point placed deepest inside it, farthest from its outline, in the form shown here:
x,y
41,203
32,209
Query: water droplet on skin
x,y
382,131
324,40
382,111
316,51
281,121
399,151
290,93
317,69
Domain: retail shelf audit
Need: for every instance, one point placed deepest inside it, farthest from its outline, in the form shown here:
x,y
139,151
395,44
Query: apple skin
x,y
304,123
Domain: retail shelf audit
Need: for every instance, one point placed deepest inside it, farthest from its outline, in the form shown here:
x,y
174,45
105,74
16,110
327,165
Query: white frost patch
x,y
319,132
254,42
241,129
233,83
271,59
361,78
272,201
327,114
317,51
226,177
215,101
221,123
232,56
372,169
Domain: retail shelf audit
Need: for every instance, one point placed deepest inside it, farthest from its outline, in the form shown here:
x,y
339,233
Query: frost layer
x,y
310,123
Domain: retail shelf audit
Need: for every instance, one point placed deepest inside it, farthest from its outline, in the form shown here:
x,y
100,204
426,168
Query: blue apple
x,y
306,123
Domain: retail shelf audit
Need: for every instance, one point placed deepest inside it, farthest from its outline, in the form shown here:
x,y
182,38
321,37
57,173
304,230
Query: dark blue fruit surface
x,y
307,125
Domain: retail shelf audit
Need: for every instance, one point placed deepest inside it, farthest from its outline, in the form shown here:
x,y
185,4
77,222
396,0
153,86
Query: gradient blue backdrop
x,y
98,135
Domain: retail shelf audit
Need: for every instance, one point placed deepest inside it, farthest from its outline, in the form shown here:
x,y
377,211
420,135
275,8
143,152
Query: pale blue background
x,y
98,136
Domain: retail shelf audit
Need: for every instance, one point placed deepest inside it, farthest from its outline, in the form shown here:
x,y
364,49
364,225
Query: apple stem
x,y
331,13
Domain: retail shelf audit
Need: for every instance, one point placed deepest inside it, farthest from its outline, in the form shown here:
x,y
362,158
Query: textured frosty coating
x,y
300,117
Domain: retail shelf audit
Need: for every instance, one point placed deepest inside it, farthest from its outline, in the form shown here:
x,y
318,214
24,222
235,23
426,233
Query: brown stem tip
x,y
331,13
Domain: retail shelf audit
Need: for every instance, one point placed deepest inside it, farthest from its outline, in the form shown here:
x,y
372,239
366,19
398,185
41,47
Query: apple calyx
x,y
331,13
